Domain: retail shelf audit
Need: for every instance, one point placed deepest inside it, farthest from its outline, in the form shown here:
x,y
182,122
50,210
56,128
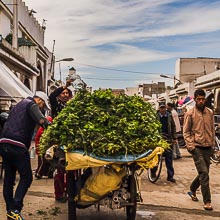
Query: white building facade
x,y
22,51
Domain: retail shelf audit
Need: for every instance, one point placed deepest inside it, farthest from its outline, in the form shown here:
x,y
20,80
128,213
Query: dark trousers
x,y
43,167
168,154
15,159
201,157
60,183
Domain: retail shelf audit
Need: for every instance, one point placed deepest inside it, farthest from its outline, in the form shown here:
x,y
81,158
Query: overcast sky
x,y
145,36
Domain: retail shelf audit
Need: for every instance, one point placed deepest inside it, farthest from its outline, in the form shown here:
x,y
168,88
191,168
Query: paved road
x,y
165,198
161,201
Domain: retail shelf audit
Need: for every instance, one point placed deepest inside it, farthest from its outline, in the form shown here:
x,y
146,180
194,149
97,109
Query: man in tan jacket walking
x,y
199,135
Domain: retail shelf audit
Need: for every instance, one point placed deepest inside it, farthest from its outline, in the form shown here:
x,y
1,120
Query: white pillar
x,y
191,88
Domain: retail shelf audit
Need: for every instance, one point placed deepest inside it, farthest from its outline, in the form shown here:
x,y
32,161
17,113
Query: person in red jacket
x,y
43,168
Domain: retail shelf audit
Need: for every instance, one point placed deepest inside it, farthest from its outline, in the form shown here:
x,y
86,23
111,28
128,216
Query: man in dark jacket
x,y
14,145
168,131
58,99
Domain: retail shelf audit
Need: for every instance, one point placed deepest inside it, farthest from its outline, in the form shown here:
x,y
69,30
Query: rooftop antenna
x,y
32,12
204,70
44,24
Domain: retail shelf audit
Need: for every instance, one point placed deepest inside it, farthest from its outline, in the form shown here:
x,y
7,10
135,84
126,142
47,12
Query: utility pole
x,y
15,25
52,60
60,73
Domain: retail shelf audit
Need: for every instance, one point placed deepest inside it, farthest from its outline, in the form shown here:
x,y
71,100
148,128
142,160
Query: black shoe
x,y
172,180
178,157
37,176
61,200
153,175
139,198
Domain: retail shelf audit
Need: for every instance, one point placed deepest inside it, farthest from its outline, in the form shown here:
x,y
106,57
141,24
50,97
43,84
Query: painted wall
x,y
4,24
189,69
28,21
130,91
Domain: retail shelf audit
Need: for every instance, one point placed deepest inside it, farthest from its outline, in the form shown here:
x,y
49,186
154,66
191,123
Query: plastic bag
x,y
102,181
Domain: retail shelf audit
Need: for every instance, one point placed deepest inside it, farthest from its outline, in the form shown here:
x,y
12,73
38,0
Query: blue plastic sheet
x,y
119,158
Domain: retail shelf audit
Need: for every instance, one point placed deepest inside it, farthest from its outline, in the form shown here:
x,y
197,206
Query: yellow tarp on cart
x,y
77,161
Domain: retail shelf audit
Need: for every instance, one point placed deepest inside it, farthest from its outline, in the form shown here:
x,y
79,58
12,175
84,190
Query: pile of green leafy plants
x,y
105,124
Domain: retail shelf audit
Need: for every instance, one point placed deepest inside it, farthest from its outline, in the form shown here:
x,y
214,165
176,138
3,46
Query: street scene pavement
x,y
163,200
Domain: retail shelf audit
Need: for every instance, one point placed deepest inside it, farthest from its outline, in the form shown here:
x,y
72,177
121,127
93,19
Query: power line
x,y
118,70
111,79
117,79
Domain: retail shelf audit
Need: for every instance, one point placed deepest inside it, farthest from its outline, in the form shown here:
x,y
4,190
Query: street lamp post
x,y
169,77
64,59
60,72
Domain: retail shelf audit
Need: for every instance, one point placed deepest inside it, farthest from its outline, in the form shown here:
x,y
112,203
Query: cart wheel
x,y
154,173
215,157
132,188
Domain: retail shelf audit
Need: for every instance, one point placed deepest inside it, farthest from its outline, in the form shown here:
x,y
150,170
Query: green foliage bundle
x,y
105,124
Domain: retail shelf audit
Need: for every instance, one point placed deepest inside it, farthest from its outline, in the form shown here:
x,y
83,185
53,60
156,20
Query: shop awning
x,y
12,85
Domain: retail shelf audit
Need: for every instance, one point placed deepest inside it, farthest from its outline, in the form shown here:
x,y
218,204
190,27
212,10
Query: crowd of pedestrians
x,y
199,135
18,130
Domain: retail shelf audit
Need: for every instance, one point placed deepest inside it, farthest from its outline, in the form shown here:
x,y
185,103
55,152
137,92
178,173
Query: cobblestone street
x,y
162,200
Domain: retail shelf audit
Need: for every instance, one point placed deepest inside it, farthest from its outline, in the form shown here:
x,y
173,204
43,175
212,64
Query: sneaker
x,y
14,214
193,196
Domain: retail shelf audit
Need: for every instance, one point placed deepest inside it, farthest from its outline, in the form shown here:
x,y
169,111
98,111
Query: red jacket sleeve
x,y
37,138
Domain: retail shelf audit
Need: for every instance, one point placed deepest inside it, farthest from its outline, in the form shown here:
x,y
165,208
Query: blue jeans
x,y
15,159
168,154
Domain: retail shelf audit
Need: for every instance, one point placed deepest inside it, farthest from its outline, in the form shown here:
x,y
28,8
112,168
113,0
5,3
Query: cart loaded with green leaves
x,y
105,139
